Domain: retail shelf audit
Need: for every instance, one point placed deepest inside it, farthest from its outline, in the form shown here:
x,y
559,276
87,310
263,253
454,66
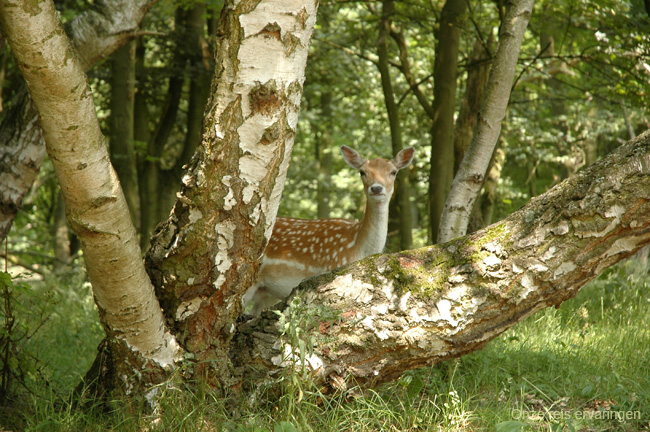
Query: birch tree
x,y
206,255
95,34
96,207
469,179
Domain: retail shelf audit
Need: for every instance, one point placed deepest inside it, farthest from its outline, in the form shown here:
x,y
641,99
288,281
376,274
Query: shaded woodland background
x,y
581,90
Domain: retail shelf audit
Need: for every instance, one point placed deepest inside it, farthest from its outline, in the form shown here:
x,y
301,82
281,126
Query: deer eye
x,y
362,173
393,173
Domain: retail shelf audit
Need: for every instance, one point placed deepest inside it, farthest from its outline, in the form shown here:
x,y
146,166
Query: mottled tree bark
x,y
95,34
206,255
95,205
386,314
469,180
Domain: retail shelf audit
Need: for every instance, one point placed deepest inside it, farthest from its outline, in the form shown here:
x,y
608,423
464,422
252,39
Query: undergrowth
x,y
582,367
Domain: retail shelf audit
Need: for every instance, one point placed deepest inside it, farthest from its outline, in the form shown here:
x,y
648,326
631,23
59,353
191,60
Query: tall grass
x,y
582,367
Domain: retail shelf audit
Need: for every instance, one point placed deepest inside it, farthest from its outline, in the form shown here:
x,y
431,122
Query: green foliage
x,y
48,340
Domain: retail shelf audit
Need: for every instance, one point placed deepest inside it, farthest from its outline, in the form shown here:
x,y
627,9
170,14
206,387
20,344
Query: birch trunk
x,y
95,33
389,313
206,255
95,205
469,180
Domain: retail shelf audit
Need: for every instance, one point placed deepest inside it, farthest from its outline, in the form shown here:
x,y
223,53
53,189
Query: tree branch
x,y
390,313
405,68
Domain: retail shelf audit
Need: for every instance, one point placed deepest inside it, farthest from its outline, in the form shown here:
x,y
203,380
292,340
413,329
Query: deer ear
x,y
404,158
352,157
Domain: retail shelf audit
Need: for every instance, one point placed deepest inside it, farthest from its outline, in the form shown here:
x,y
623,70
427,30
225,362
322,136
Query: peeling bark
x,y
390,313
95,33
206,255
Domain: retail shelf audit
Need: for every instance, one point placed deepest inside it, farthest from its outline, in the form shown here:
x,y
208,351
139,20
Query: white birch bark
x,y
468,181
96,208
206,255
95,34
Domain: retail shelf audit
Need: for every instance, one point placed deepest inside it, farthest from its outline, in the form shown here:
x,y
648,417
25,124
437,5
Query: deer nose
x,y
376,189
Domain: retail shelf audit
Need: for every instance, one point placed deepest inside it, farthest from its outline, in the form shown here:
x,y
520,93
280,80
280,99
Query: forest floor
x,y
582,367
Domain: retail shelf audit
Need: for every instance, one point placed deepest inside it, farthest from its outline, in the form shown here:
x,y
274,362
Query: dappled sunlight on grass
x,y
584,366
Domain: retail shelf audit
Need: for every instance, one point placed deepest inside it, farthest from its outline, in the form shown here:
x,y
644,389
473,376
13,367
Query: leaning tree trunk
x,y
95,205
95,34
390,313
469,179
206,255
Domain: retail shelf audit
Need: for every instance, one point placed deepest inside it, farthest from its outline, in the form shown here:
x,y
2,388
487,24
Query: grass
x,y
582,367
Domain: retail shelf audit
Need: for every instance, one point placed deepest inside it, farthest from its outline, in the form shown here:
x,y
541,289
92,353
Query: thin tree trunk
x,y
121,138
60,235
152,175
391,313
95,34
324,125
489,198
467,184
96,207
477,75
445,75
147,186
198,74
324,154
402,190
206,255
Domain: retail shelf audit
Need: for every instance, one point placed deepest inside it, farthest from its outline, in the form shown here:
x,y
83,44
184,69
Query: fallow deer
x,y
301,248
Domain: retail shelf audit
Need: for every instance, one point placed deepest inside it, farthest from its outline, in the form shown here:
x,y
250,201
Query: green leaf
x,y
415,386
510,426
285,427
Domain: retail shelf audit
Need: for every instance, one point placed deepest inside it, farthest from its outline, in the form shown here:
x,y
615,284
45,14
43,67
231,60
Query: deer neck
x,y
373,228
